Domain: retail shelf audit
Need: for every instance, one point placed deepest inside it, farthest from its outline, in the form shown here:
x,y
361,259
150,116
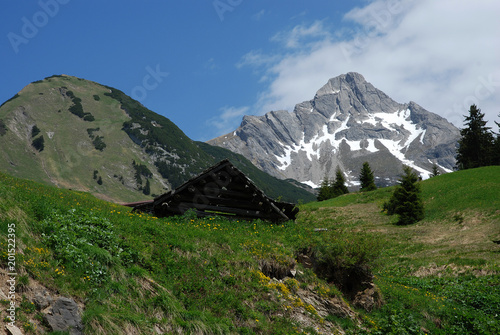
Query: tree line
x,y
478,145
333,188
405,201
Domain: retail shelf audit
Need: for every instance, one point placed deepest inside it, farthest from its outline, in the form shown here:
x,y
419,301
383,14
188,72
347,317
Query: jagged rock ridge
x,y
348,122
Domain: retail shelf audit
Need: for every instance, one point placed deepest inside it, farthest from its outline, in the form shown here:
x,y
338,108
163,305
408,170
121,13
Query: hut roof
x,y
220,190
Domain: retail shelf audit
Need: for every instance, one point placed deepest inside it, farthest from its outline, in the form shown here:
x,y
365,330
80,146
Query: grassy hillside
x,y
441,275
69,157
135,273
78,134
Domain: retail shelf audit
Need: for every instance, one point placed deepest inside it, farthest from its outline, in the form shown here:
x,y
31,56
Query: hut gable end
x,y
221,190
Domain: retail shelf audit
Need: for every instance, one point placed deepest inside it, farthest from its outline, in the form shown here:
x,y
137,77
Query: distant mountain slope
x,y
348,122
289,190
78,134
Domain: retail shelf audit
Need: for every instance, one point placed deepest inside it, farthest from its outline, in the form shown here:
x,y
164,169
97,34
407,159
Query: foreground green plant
x,y
190,275
86,242
406,201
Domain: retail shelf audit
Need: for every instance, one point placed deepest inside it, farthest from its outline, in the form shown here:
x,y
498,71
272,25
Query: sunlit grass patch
x,y
185,275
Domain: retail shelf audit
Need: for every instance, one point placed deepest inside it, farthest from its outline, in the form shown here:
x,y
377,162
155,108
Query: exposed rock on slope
x,y
78,134
348,122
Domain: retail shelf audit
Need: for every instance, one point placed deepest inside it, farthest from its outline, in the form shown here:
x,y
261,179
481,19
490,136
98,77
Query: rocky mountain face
x,y
348,122
78,134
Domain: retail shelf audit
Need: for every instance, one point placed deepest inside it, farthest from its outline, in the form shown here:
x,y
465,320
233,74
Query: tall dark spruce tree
x,y
331,189
496,147
366,178
475,147
406,200
435,170
147,189
339,187
325,191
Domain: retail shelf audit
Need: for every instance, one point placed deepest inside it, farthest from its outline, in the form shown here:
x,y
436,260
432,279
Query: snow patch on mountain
x,y
353,145
371,146
310,183
312,147
348,122
395,122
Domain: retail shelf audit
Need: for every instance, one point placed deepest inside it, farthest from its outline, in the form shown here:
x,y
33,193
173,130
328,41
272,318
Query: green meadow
x,y
135,273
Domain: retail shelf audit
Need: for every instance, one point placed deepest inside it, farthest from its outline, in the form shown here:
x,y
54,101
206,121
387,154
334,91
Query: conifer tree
x,y
38,143
339,187
366,178
325,191
35,131
406,200
435,170
3,128
496,147
147,189
475,147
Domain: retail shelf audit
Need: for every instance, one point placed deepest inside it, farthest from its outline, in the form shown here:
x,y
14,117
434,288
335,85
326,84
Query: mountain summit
x,y
348,122
78,134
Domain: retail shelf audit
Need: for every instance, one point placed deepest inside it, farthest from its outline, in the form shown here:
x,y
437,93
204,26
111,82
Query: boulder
x,y
368,299
13,330
64,315
42,300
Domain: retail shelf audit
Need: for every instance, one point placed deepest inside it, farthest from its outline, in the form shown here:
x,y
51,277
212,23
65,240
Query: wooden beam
x,y
243,212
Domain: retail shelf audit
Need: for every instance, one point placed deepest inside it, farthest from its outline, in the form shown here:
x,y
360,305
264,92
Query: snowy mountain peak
x,y
334,85
348,122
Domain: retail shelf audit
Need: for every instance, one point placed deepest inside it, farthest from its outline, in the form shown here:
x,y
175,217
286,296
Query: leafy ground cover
x,y
138,273
441,275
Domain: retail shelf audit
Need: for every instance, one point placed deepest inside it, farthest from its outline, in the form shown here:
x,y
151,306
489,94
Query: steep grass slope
x,y
441,275
134,273
69,157
78,134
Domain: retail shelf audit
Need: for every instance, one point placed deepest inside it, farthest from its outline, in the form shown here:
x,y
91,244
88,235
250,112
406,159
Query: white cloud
x,y
301,14
441,54
259,15
301,35
210,65
225,122
379,16
257,59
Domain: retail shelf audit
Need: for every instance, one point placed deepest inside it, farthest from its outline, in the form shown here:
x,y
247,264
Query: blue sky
x,y
204,64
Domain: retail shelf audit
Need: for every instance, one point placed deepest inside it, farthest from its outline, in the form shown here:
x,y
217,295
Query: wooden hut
x,y
221,190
